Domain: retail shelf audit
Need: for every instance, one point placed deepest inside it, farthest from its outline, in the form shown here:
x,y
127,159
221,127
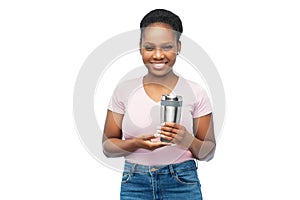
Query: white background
x,y
254,45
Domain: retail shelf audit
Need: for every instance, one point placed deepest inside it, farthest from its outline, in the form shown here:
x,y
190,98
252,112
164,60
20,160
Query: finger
x,y
167,136
156,145
171,124
170,129
169,139
150,136
161,144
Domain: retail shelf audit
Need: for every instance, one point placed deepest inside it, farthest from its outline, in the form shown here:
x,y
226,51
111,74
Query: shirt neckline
x,y
147,96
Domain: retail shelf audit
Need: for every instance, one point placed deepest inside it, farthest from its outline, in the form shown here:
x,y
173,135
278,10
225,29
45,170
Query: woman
x,y
155,169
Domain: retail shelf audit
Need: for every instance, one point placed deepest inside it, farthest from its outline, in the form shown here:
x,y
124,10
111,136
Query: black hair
x,y
162,16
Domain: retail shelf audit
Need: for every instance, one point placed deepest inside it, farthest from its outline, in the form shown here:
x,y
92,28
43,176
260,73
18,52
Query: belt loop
x,y
196,164
132,169
171,170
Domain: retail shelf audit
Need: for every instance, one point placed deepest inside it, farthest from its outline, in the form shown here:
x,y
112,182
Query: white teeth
x,y
159,65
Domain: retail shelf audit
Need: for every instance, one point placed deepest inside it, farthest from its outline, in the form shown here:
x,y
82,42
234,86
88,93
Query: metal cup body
x,y
170,110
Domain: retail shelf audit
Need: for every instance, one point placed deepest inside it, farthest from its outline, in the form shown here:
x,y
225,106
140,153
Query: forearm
x,y
115,147
202,150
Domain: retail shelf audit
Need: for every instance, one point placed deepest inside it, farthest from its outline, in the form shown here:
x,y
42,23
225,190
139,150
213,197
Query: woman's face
x,y
159,48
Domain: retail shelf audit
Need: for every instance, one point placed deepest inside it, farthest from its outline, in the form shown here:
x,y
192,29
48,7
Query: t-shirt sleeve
x,y
202,105
116,103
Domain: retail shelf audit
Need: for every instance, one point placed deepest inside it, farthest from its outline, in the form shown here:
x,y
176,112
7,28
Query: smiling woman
x,y
154,169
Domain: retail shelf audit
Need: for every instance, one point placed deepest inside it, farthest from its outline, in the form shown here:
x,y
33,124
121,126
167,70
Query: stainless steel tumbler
x,y
170,109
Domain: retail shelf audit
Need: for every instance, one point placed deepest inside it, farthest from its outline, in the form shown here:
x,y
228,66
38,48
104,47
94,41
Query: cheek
x,y
145,56
171,56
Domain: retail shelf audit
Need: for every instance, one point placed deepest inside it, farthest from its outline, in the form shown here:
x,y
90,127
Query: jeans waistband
x,y
161,169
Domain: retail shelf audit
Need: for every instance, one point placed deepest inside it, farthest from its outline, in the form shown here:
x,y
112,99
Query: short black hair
x,y
162,16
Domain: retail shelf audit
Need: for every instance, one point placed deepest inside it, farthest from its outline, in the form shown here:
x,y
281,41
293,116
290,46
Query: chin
x,y
159,73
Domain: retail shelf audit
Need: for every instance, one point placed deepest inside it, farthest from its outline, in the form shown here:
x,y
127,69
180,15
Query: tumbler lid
x,y
171,97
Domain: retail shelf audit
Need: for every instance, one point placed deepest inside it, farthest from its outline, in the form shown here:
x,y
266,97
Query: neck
x,y
166,80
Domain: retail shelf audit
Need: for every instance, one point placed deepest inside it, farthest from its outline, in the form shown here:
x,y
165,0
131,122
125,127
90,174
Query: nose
x,y
158,54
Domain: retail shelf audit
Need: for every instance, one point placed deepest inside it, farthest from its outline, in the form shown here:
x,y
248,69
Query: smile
x,y
159,65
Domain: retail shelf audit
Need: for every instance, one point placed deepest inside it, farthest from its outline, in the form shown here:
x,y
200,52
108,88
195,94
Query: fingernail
x,y
157,135
163,124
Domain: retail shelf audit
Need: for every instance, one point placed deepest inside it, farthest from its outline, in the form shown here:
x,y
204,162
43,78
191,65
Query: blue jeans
x,y
169,182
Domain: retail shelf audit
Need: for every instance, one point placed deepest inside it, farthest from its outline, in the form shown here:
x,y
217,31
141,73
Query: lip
x,y
158,65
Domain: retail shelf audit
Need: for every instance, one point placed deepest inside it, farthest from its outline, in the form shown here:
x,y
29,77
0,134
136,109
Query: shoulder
x,y
128,84
194,86
200,99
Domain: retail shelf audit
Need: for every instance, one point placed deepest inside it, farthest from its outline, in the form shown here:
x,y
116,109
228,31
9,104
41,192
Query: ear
x,y
140,47
178,46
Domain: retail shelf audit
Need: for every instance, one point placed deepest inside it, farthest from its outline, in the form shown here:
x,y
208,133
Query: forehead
x,y
159,32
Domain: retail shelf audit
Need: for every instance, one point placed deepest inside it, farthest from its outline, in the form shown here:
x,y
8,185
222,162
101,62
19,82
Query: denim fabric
x,y
169,182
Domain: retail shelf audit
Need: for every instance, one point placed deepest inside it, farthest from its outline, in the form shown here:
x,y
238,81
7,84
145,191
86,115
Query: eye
x,y
167,47
149,48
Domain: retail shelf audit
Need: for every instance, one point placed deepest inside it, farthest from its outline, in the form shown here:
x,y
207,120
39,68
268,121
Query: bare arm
x,y
114,146
204,144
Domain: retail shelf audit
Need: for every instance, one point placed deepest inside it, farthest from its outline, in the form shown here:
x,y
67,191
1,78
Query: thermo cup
x,y
170,109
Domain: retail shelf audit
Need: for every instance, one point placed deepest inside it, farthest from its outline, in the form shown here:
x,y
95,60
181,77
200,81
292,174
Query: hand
x,y
150,141
177,134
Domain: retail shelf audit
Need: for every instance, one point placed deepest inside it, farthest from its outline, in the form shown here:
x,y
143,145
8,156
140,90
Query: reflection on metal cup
x,y
170,109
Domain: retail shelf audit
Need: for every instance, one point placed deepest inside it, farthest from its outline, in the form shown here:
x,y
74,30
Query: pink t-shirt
x,y
142,116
